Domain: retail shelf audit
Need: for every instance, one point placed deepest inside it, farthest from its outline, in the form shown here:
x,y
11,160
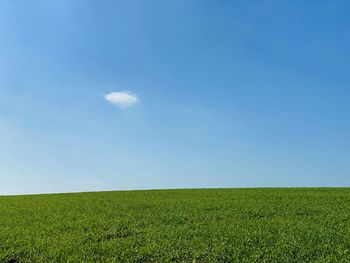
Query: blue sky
x,y
223,94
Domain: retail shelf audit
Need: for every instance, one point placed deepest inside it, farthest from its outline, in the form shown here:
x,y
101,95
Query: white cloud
x,y
123,99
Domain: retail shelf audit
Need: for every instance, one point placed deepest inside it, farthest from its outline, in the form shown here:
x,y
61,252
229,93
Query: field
x,y
208,225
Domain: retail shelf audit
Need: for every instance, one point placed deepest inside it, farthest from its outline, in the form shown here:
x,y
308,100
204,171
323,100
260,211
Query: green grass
x,y
209,225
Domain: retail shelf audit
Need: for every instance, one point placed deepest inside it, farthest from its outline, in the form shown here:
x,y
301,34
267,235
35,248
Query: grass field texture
x,y
208,225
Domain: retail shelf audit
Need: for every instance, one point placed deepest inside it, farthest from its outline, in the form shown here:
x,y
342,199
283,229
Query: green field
x,y
209,225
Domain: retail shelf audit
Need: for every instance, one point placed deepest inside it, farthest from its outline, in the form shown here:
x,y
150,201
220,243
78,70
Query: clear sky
x,y
108,95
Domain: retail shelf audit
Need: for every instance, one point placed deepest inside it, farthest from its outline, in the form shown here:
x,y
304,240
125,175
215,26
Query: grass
x,y
208,225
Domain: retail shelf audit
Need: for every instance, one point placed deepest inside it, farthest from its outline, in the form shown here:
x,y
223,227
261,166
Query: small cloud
x,y
122,99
